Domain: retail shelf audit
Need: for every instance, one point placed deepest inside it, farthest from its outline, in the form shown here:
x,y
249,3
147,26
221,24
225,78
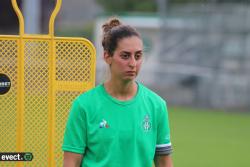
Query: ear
x,y
107,57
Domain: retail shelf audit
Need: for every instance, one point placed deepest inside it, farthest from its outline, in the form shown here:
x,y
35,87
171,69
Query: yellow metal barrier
x,y
44,74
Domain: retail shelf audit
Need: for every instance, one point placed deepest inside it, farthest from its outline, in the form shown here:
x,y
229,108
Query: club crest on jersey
x,y
104,124
146,124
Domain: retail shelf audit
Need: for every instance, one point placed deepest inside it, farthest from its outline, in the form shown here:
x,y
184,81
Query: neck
x,y
121,90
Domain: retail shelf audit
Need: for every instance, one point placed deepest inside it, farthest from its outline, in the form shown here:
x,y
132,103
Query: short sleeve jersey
x,y
113,133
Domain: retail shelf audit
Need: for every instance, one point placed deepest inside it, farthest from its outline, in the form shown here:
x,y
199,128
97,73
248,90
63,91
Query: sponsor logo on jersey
x,y
146,124
104,124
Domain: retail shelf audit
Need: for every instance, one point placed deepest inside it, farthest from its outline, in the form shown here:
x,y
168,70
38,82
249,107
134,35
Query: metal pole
x,y
32,16
162,10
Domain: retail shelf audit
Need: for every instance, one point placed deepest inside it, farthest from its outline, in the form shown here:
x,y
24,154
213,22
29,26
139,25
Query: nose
x,y
132,61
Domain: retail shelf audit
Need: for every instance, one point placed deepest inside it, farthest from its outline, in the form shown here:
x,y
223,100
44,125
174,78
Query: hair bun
x,y
113,22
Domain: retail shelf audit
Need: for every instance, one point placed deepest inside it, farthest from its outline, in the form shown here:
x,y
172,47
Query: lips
x,y
130,72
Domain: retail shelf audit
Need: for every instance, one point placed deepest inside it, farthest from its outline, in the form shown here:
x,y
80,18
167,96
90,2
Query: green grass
x,y
210,139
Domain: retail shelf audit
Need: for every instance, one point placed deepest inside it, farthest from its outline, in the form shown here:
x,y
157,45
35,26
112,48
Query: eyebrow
x,y
139,51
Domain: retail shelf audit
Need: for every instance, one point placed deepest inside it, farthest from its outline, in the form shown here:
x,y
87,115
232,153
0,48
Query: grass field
x,y
210,139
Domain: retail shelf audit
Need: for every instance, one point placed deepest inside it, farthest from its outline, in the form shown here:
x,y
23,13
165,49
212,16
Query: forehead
x,y
132,43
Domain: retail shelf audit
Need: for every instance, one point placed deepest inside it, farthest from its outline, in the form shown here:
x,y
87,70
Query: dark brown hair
x,y
113,31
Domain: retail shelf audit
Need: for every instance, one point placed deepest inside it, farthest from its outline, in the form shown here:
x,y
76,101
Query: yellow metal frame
x,y
54,85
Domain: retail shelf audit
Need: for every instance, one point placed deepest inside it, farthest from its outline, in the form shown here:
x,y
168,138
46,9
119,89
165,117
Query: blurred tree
x,y
187,1
205,1
118,6
128,5
236,1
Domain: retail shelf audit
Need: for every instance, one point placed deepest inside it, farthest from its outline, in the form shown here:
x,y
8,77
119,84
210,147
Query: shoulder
x,y
89,96
90,93
154,102
148,94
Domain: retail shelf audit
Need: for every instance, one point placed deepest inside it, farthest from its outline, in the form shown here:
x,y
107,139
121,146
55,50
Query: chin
x,y
129,79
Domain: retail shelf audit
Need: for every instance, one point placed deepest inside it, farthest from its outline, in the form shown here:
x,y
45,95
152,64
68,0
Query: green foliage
x,y
128,5
207,1
188,1
85,31
119,6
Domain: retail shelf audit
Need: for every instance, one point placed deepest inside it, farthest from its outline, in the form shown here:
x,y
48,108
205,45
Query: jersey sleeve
x,y
163,144
75,131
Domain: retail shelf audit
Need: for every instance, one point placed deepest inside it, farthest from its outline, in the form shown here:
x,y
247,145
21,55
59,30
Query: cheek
x,y
119,65
138,65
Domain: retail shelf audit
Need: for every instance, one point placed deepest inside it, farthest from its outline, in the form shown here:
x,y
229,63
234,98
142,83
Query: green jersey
x,y
113,133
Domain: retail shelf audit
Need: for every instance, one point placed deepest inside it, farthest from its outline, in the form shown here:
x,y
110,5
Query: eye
x,y
125,56
138,56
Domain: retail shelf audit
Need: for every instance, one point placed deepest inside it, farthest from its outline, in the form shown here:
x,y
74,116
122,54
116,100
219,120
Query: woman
x,y
119,123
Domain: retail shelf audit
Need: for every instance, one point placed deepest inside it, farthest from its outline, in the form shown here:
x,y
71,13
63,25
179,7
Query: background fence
x,y
207,55
197,54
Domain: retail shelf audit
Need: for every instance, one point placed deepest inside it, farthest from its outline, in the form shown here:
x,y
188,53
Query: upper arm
x,y
163,143
163,161
72,159
75,137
